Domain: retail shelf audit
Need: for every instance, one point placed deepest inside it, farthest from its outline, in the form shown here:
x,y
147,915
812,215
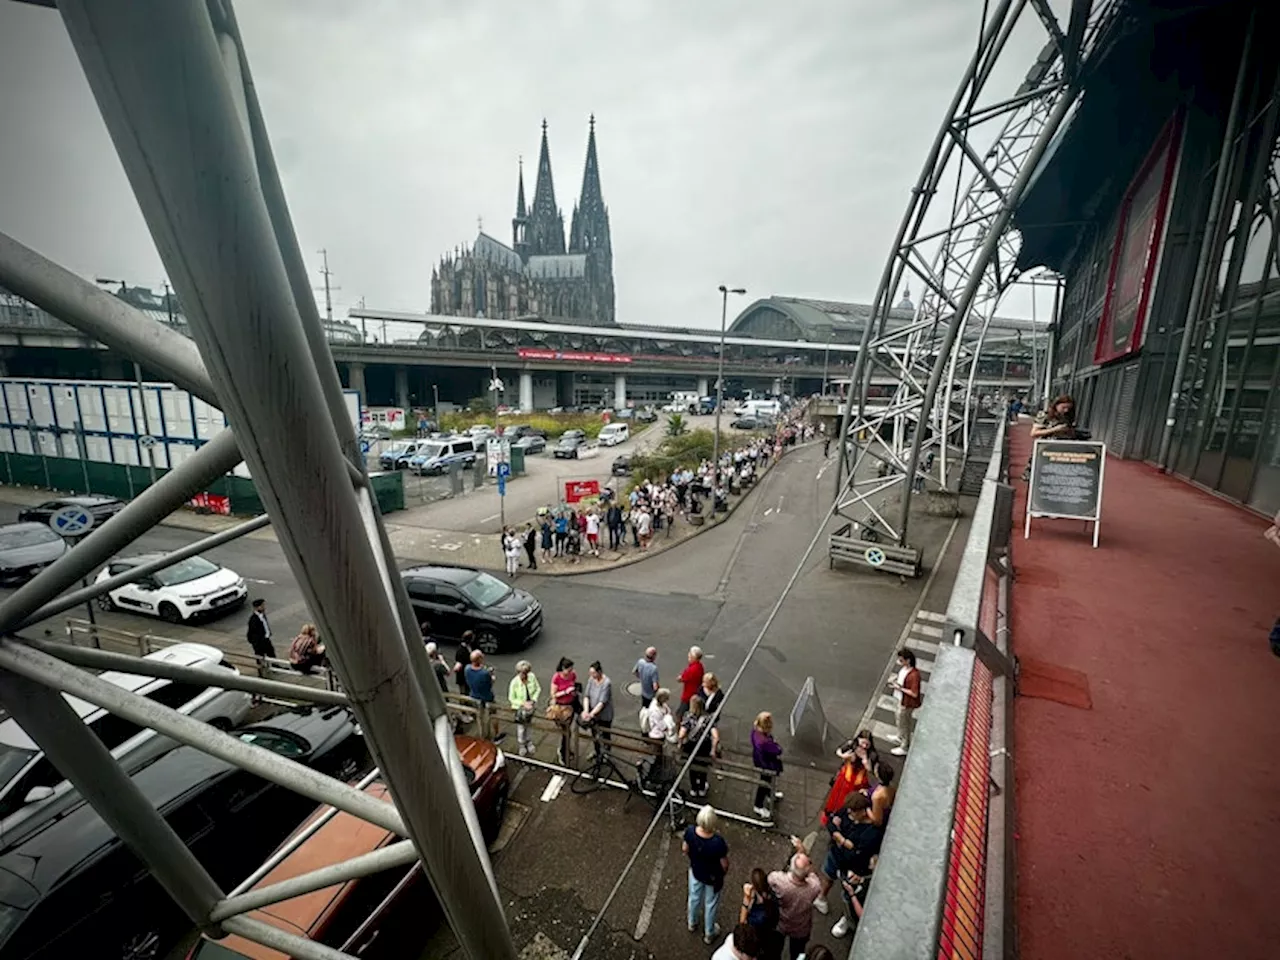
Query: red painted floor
x,y
1149,825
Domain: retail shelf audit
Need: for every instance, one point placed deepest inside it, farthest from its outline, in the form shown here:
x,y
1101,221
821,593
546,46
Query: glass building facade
x,y
1171,271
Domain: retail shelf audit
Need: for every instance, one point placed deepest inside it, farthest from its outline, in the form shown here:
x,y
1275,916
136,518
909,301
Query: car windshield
x,y
193,568
13,539
431,450
398,448
484,590
12,761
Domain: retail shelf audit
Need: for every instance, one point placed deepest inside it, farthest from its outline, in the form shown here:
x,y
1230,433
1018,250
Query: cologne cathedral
x,y
537,276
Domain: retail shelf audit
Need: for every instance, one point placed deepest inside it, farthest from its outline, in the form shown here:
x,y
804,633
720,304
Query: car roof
x,y
89,501
343,837
182,654
42,860
26,525
449,574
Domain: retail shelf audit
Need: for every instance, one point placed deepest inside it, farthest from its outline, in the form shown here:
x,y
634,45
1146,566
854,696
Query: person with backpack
x,y
760,912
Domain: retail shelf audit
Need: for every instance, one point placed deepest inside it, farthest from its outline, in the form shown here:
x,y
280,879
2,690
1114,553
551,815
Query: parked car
x,y
574,434
439,456
377,917
26,549
75,890
398,455
524,430
621,466
749,423
567,448
32,790
101,509
531,443
456,599
186,590
647,415
612,434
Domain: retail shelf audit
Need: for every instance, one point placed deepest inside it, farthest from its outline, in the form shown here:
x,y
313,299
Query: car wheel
x,y
105,603
494,826
487,642
170,613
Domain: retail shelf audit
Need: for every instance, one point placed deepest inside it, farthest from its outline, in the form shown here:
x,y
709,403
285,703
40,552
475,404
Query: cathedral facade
x,y
537,274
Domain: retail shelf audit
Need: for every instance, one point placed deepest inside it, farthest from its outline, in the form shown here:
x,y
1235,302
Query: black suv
x,y
524,430
452,600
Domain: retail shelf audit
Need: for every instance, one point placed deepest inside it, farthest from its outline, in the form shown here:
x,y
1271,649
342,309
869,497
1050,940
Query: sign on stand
x,y
1066,482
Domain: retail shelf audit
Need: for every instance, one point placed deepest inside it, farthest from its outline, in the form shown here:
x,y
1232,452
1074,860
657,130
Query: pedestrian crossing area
x,y
923,638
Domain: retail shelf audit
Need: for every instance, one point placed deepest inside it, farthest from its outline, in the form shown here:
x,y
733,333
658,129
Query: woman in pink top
x,y
564,697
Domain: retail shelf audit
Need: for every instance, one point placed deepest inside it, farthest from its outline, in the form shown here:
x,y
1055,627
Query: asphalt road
x,y
717,591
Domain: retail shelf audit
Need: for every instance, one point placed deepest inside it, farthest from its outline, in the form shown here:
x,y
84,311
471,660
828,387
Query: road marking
x,y
450,546
822,471
930,615
494,517
769,511
926,631
269,583
553,788
655,884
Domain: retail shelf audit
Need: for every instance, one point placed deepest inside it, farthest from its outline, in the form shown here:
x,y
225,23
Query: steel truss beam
x,y
971,267
172,82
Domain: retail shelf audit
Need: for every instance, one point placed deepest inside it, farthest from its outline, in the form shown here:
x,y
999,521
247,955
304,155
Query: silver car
x,y
32,791
26,549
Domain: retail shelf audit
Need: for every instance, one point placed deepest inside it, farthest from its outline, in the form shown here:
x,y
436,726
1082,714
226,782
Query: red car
x,y
372,917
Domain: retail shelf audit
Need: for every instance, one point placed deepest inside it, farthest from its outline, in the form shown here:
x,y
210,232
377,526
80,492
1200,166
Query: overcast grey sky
x,y
759,144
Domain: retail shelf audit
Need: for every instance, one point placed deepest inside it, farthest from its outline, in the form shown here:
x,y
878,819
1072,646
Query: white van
x,y
612,434
756,408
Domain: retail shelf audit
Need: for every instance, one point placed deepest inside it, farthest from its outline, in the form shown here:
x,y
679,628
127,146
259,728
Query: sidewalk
x,y
1147,822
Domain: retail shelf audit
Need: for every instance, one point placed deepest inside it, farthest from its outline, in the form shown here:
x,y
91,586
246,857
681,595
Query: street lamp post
x,y
724,314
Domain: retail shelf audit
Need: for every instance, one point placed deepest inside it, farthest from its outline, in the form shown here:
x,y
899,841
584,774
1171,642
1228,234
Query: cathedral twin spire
x,y
539,230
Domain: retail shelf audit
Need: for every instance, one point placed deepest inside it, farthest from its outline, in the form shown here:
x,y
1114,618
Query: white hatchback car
x,y
177,593
32,791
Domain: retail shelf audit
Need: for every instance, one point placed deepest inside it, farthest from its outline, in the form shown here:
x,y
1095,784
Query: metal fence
x,y
940,889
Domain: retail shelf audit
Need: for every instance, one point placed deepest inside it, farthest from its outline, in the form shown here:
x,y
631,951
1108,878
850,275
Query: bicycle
x,y
651,788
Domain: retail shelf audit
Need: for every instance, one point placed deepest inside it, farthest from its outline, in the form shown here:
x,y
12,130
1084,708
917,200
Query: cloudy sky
x,y
759,144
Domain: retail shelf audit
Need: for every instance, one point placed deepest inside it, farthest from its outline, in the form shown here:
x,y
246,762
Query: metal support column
x,y
158,72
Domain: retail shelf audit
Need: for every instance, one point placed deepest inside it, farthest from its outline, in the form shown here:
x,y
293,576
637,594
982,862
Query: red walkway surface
x,y
1149,825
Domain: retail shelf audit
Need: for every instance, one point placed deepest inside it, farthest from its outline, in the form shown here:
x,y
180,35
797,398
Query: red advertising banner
x,y
1137,249
577,490
529,353
212,502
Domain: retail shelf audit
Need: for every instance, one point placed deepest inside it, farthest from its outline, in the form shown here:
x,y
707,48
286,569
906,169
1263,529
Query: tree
x,y
676,426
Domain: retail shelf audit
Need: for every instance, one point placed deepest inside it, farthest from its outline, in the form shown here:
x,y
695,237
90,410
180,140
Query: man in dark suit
x,y
259,632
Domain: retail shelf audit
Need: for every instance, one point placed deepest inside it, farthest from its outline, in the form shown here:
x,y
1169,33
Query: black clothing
x,y
259,635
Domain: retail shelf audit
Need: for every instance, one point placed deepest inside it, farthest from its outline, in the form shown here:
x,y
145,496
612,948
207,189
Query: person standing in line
x,y
797,890
562,532
906,690
593,532
523,693
646,671
760,913
743,943
695,723
438,665
511,549
644,527
691,681
530,539
766,754
480,687
544,527
597,704
708,855
712,695
564,700
613,520
461,660
259,631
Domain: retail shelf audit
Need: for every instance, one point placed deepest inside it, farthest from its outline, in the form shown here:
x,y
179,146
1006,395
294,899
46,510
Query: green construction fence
x,y
126,481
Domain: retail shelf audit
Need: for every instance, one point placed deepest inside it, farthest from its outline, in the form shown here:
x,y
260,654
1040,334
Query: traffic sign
x,y
147,440
364,446
504,470
502,485
874,556
71,521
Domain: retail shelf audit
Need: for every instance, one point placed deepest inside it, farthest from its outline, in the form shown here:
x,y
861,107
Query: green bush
x,y
686,450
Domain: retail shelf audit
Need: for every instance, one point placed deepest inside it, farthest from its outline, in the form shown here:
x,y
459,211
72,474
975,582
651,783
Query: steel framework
x,y
964,254
172,81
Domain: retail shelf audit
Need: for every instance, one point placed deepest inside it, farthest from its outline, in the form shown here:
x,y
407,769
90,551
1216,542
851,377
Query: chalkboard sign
x,y
1066,482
